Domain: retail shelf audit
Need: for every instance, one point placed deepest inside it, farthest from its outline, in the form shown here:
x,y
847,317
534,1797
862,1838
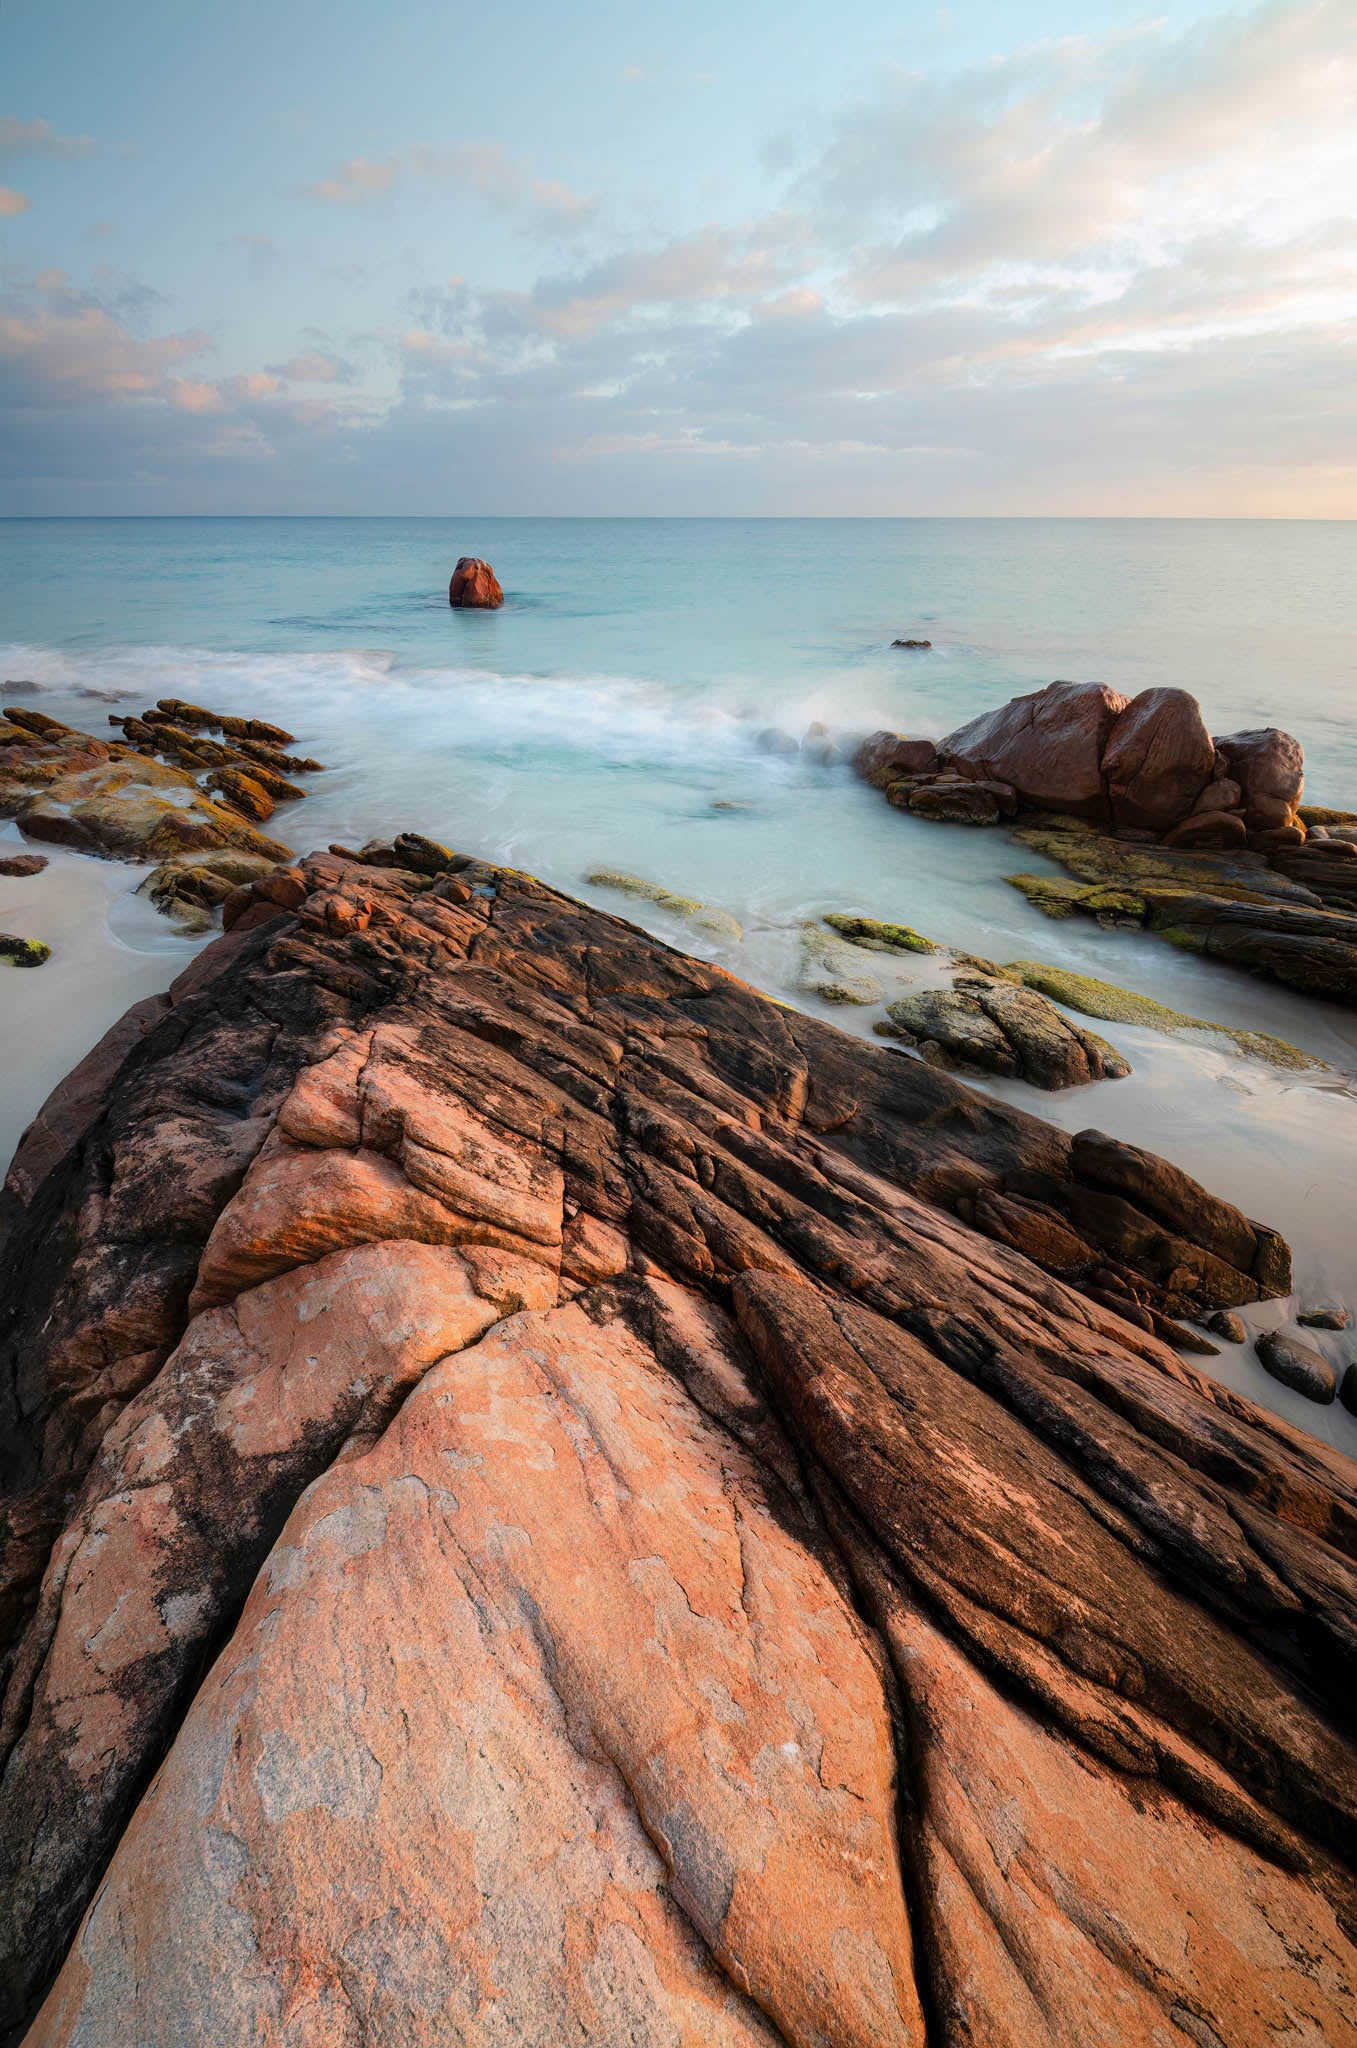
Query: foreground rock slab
x,y
550,1497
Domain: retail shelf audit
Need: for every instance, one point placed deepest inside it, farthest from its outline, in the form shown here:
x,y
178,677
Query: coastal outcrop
x,y
549,1496
1145,765
166,792
1202,839
474,586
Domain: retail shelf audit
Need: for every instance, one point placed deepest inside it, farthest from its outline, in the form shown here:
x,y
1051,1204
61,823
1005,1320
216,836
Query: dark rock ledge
x,y
553,1498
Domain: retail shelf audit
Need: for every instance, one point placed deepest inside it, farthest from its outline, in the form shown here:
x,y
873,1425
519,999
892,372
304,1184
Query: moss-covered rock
x,y
703,917
828,970
1115,1005
878,937
23,952
996,1025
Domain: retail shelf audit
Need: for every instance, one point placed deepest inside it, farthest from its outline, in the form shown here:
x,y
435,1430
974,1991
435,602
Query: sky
x,y
719,257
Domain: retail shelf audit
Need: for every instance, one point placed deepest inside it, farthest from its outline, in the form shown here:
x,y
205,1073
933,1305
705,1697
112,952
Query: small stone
x,y
1347,1393
772,740
1324,1318
23,864
1223,1324
23,952
911,643
1296,1366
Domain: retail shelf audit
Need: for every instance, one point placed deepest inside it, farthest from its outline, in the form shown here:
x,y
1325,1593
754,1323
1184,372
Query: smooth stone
x,y
1223,1324
1347,1393
1296,1366
474,586
23,864
1324,1318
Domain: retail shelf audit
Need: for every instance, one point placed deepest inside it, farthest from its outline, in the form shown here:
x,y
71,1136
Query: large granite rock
x,y
1158,760
1048,745
549,1497
474,586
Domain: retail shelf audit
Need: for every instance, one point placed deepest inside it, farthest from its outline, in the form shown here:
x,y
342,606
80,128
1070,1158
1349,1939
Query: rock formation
x,y
1146,765
553,1498
1202,839
166,792
474,586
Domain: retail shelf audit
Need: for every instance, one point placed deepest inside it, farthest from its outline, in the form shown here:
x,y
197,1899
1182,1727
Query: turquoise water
x,y
769,616
608,716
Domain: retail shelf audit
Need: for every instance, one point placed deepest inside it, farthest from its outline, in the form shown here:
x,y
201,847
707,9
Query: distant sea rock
x,y
474,586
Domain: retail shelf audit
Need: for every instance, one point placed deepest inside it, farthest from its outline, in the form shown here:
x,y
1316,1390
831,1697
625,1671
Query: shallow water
x,y
608,717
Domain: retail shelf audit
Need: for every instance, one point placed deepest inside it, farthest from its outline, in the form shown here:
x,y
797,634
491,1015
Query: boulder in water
x,y
474,586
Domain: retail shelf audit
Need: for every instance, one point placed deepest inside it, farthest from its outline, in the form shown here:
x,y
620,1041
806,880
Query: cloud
x,y
39,138
313,366
262,252
1101,272
12,203
485,171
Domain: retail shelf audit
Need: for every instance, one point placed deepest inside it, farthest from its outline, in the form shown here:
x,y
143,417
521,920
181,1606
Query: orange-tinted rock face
x,y
549,1500
475,585
1049,746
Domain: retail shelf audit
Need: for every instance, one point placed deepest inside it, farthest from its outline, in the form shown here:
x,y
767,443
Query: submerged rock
x,y
772,740
1326,1318
703,917
831,970
1104,999
474,585
519,1451
1296,1365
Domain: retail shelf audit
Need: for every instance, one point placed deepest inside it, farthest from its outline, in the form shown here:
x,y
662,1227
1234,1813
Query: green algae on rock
x,y
1115,1005
703,917
23,952
828,970
879,937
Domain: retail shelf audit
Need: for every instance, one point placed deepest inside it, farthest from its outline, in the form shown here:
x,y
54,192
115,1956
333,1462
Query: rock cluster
x,y
474,586
167,792
551,1497
1144,765
1203,839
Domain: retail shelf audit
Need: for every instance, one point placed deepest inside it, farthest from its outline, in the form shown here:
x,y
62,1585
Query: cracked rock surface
x,y
549,1497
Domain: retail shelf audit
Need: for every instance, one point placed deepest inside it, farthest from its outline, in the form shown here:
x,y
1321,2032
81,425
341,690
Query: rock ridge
x,y
549,1496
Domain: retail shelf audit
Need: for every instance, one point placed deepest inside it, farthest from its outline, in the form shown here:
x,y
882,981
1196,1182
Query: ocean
x,y
608,718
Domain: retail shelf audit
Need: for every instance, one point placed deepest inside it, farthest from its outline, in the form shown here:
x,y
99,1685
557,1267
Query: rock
x,y
1347,1392
1158,760
704,917
1269,766
1326,1318
954,801
772,740
1049,746
996,1028
911,643
22,863
1232,904
189,890
1296,1365
547,1498
119,802
888,756
817,746
1123,1006
474,585
878,937
1227,1326
832,971
23,952
1208,829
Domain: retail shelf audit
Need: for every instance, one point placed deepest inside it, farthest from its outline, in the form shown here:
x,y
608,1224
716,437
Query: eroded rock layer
x,y
552,1498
